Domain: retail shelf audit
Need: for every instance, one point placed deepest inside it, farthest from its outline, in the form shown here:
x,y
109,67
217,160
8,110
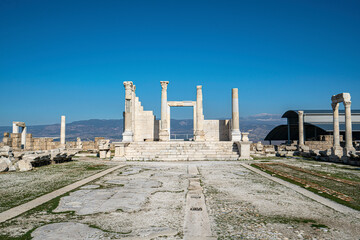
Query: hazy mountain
x,y
258,126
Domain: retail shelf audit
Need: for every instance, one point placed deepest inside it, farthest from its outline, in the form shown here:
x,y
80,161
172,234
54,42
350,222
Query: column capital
x,y
335,106
199,87
128,84
129,88
164,84
347,103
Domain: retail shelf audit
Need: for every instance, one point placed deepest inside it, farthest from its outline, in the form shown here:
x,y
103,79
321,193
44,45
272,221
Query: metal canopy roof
x,y
294,113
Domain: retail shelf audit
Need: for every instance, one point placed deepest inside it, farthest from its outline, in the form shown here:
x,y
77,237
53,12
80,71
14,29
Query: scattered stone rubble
x,y
26,160
260,150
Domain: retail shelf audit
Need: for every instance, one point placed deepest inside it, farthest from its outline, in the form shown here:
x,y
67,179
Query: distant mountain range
x,y
258,126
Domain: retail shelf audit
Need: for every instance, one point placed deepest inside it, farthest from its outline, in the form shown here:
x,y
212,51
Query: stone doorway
x,y
181,130
173,135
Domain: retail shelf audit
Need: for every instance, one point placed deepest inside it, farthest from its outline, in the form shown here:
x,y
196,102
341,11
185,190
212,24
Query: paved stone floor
x,y
186,200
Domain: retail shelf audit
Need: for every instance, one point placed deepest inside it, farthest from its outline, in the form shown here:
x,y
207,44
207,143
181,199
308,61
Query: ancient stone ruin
x,y
146,138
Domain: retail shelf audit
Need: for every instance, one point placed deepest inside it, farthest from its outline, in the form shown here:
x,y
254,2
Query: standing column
x,y
15,128
62,131
199,133
348,127
301,128
23,137
336,131
235,125
164,133
128,133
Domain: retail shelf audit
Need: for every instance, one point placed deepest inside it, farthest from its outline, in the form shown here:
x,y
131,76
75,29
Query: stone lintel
x,y
341,97
20,124
181,103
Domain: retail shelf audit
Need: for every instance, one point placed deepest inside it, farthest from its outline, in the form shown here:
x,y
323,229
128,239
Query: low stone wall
x,y
260,150
26,160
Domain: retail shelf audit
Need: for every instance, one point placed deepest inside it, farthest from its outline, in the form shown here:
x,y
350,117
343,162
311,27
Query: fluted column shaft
x,y
164,133
62,131
128,132
348,126
199,134
301,128
235,125
336,131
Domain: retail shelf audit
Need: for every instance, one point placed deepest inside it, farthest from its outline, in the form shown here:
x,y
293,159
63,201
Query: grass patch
x,y
20,187
353,190
265,158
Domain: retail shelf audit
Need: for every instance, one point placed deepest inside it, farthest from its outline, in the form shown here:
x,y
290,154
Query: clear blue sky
x,y
71,57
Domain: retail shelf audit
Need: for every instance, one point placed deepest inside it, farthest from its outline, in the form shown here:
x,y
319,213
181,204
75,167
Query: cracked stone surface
x,y
149,200
67,231
131,196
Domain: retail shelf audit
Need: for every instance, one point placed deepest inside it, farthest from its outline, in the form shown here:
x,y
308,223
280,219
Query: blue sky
x,y
71,57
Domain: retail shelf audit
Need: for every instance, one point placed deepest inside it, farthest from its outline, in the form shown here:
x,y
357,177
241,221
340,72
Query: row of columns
x,y
346,100
336,99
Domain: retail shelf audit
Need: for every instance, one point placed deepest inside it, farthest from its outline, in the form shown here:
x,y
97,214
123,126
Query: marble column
x,y
62,131
23,137
15,128
164,133
235,125
348,127
128,133
301,128
199,133
336,130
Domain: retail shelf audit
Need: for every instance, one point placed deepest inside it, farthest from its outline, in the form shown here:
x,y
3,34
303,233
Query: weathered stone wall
x,y
35,144
325,142
217,130
144,123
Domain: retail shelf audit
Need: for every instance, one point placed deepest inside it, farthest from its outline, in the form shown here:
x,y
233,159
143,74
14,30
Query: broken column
x,y
164,133
244,147
128,132
104,148
301,128
23,137
62,131
199,133
79,144
235,125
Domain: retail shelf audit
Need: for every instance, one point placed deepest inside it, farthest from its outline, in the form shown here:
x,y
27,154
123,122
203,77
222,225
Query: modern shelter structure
x,y
315,124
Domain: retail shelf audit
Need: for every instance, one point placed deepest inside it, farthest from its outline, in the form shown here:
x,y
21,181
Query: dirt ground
x,y
147,200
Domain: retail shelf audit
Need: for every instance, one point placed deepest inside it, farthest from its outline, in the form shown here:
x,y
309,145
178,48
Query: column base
x,y
236,135
244,150
337,151
199,135
164,136
349,149
127,137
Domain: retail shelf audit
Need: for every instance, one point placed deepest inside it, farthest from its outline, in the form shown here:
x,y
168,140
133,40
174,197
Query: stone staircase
x,y
181,151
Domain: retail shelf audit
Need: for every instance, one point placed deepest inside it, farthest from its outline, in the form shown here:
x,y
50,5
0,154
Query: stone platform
x,y
181,151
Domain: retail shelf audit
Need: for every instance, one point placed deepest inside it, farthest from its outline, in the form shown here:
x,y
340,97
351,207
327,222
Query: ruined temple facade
x,y
146,138
141,125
